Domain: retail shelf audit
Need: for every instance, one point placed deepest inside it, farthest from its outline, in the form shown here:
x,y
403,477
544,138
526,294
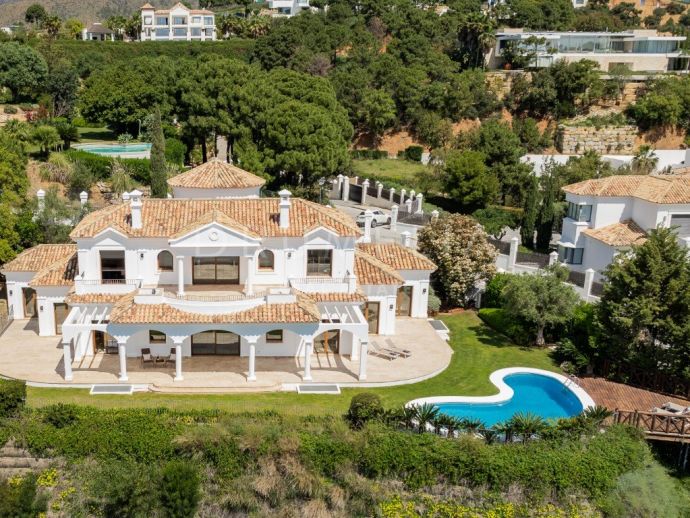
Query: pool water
x,y
116,150
534,393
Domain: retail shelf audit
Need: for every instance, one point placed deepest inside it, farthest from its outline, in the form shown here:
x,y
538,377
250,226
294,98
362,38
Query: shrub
x,y
124,489
26,107
363,408
499,320
81,179
179,490
675,8
434,302
175,150
413,153
100,166
12,397
20,497
60,415
10,110
492,296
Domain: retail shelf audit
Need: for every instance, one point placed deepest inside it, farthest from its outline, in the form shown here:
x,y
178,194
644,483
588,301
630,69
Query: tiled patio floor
x,y
25,355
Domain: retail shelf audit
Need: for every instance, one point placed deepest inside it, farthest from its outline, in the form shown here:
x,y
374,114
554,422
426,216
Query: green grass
x,y
478,351
399,171
96,135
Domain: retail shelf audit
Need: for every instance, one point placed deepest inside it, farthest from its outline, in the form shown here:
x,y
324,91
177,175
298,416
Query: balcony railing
x,y
317,279
226,297
98,282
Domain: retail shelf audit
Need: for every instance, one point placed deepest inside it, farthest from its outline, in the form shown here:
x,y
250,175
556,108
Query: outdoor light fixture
x,y
40,308
141,255
424,290
390,307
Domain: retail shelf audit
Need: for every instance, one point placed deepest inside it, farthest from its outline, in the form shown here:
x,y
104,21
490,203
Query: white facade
x,y
122,272
288,7
177,24
639,50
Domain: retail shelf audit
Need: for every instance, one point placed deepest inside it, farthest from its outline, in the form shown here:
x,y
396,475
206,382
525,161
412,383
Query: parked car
x,y
379,218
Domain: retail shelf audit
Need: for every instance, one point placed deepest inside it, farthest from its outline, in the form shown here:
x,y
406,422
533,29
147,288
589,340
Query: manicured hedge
x,y
499,320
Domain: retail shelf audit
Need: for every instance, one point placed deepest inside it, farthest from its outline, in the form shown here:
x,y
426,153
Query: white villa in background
x,y
218,270
639,50
609,215
97,32
288,7
178,23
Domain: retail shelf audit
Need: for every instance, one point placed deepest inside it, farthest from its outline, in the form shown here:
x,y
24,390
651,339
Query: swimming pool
x,y
121,150
521,389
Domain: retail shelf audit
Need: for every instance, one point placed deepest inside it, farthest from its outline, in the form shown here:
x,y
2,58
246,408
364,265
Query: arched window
x,y
165,261
266,260
275,336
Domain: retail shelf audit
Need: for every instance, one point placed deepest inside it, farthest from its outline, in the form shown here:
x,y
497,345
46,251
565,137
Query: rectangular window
x,y
148,20
319,262
156,337
208,32
208,20
180,32
113,265
196,19
196,32
179,20
579,212
161,20
275,336
570,255
216,270
162,33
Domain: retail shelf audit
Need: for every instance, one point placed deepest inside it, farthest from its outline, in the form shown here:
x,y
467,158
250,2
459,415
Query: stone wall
x,y
607,140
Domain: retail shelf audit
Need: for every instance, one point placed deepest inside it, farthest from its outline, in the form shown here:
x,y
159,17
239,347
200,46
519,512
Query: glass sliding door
x,y
61,311
404,302
222,343
216,270
29,295
327,342
372,310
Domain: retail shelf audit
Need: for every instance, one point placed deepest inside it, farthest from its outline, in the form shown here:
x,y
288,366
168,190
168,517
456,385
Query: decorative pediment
x,y
320,236
215,229
110,237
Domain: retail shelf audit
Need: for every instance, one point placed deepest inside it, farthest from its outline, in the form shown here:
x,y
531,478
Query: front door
x,y
29,295
216,270
221,343
372,310
61,311
404,302
327,342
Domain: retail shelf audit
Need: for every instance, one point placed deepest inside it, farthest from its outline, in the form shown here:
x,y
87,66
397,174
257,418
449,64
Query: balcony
x,y
212,301
82,286
318,283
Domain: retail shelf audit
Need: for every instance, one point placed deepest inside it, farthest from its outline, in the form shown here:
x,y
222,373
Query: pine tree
x,y
159,173
530,213
547,213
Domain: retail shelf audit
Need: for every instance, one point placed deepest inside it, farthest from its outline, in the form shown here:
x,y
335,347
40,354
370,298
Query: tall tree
x,y
530,212
547,214
22,70
645,308
462,253
540,300
35,14
159,170
468,181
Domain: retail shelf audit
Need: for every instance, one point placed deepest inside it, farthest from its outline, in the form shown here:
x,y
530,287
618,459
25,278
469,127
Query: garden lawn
x,y
398,171
87,135
478,351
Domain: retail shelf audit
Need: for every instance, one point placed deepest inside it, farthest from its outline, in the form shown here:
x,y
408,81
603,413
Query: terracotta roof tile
x,y
625,233
337,297
126,311
94,298
216,174
60,273
371,271
398,256
653,188
167,217
39,257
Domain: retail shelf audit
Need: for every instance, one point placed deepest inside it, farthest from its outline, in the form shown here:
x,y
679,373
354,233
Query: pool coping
x,y
505,393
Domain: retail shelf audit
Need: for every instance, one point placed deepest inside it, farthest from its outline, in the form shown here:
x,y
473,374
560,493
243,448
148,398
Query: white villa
x,y
288,7
178,23
217,270
608,215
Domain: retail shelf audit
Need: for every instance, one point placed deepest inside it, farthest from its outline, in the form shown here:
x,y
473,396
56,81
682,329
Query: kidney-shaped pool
x,y
543,393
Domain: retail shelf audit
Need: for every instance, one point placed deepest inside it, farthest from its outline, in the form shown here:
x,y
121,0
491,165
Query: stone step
x,y
23,462
11,472
12,451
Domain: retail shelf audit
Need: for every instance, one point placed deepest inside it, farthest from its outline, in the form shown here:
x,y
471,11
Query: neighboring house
x,y
667,159
639,50
609,215
288,7
97,32
178,23
217,275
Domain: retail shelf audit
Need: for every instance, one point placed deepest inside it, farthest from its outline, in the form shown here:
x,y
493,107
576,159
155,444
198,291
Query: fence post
x,y
412,194
405,239
339,179
41,196
345,194
355,180
418,204
402,195
365,186
553,258
391,194
512,256
394,216
589,279
408,205
379,188
434,215
368,217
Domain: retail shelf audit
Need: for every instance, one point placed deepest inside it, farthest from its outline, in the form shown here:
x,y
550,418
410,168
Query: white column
x,y
379,188
180,275
308,347
365,186
178,361
418,204
589,279
402,195
394,216
345,193
391,194
408,205
368,217
252,359
363,350
405,238
553,258
512,257
122,352
249,279
67,353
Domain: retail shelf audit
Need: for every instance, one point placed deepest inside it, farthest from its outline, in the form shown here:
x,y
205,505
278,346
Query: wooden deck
x,y
614,395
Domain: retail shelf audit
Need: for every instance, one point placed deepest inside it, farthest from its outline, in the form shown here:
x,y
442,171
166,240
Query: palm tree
x,y
597,414
645,160
46,137
527,423
453,425
424,415
473,425
490,435
408,416
18,131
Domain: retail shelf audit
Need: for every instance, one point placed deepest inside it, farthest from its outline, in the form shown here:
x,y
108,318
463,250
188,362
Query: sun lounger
x,y
382,352
675,408
405,353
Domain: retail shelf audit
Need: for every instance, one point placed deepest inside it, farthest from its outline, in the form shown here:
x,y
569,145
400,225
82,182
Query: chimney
x,y
368,217
83,198
135,206
284,208
405,238
41,196
125,196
